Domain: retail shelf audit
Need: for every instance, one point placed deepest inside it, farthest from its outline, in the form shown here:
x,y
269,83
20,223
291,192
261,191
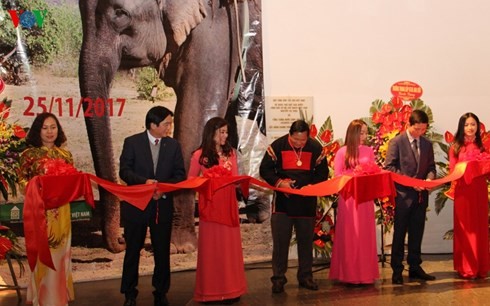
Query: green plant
x,y
10,244
60,34
7,31
324,224
388,119
40,43
149,85
12,143
69,35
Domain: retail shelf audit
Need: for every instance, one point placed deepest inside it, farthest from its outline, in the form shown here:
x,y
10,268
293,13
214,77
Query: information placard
x,y
281,112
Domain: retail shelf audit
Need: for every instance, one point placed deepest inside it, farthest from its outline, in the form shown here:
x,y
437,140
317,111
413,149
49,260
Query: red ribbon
x,y
467,170
52,191
137,195
214,204
364,188
47,192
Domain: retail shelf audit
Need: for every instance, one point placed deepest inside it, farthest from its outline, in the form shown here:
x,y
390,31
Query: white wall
x,y
348,53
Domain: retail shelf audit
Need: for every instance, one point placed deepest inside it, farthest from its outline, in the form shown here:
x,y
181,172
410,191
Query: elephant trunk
x,y
97,67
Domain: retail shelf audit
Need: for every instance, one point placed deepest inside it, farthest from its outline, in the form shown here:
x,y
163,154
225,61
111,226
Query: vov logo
x,y
28,19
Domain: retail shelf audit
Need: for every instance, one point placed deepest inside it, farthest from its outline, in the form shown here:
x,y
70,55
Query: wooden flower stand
x,y
15,286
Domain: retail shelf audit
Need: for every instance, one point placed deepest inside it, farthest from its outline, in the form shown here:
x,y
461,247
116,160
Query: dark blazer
x,y
400,159
136,166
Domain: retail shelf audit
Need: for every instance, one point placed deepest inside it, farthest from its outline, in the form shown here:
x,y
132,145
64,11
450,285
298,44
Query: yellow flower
x,y
390,135
386,139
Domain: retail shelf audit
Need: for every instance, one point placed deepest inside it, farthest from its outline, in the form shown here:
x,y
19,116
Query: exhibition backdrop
x,y
342,58
43,52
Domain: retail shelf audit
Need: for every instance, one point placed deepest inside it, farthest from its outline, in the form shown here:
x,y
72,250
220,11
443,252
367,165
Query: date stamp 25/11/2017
x,y
71,107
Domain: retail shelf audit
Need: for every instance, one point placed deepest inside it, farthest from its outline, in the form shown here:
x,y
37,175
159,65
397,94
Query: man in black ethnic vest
x,y
293,161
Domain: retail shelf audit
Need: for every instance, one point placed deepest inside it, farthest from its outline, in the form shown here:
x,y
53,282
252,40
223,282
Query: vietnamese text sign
x,y
281,112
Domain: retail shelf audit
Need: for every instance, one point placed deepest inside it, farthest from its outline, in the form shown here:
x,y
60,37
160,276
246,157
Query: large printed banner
x,y
198,58
40,71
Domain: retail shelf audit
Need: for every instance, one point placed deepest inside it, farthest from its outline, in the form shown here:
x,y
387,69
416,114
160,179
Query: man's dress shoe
x,y
277,287
309,284
419,273
397,279
161,301
129,302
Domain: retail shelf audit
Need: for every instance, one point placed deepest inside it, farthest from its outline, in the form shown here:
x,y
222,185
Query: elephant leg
x,y
183,238
98,130
97,67
202,75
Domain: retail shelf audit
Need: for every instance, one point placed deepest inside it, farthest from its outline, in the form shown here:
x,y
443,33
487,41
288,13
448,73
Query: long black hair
x,y
459,136
209,156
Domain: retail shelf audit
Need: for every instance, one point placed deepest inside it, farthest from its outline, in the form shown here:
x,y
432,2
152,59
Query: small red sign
x,y
406,90
2,85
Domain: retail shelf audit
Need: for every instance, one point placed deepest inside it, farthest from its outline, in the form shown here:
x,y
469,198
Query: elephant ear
x,y
183,16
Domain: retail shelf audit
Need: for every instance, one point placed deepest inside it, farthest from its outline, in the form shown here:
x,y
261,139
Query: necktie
x,y
415,149
154,154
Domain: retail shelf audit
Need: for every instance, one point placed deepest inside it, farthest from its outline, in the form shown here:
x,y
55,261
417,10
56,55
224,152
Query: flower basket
x,y
10,244
387,120
12,143
325,223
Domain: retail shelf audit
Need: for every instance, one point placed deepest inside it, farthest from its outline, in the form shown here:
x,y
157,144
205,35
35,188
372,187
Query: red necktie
x,y
156,141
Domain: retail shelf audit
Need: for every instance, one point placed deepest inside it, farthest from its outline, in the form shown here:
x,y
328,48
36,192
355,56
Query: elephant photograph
x,y
205,58
207,53
196,47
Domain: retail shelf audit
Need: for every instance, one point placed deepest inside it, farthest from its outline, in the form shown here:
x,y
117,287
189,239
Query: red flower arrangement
x,y
385,214
324,228
12,143
5,108
387,120
5,246
325,138
324,232
392,116
10,244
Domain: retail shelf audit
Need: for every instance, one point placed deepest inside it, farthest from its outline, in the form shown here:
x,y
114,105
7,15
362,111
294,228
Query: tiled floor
x,y
446,290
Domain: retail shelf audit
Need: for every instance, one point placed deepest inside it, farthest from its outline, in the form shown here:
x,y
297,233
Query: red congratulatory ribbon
x,y
53,191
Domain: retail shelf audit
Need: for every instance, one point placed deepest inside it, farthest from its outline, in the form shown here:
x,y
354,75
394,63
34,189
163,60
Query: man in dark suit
x,y
412,155
147,158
